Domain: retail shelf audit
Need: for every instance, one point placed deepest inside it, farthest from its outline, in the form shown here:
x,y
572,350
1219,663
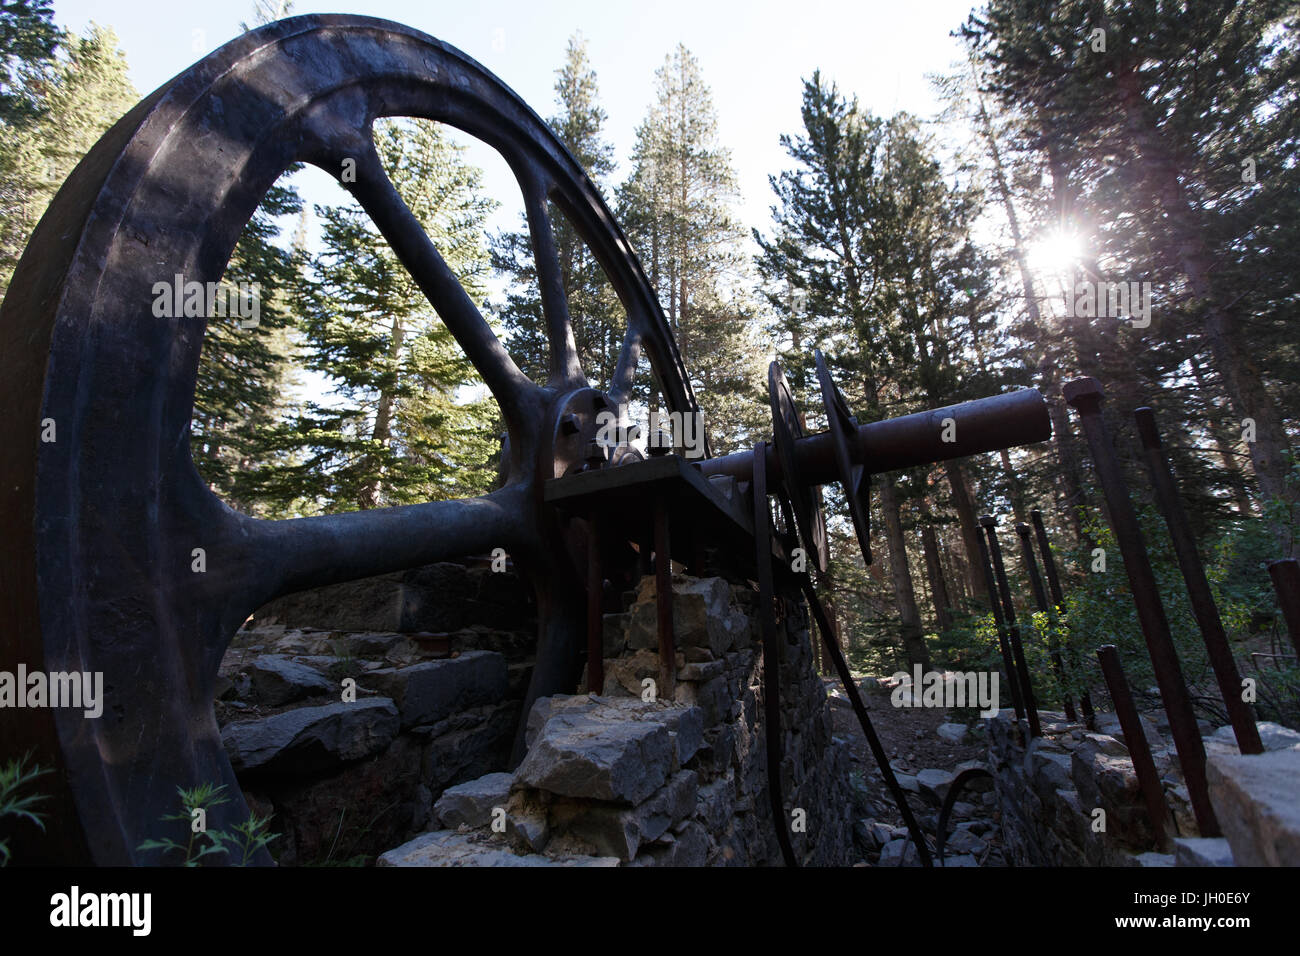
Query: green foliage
x,y
240,843
52,110
14,776
409,419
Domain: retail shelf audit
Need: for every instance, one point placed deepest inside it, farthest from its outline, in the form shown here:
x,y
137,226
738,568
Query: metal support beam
x,y
1139,751
1285,573
1198,588
1085,397
1040,598
1013,631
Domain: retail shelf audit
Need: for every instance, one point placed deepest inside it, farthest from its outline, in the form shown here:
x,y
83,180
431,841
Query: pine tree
x,y
409,422
56,113
598,319
676,207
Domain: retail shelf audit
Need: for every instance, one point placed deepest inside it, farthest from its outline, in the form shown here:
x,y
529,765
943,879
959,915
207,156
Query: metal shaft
x,y
986,424
1013,630
1285,573
1085,397
1198,588
1153,793
1040,598
1008,661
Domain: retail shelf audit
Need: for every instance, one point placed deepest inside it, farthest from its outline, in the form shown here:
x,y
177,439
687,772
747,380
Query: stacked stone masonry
x,y
626,778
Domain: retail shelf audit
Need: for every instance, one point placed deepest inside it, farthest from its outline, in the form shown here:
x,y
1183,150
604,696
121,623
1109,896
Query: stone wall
x,y
628,778
1050,787
348,770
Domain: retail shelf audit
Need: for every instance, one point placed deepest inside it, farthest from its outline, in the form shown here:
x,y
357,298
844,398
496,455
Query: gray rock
x,y
1272,736
961,859
899,850
471,804
311,739
1254,798
954,733
614,831
450,848
427,692
1153,859
685,725
277,680
687,847
591,755
1202,851
934,784
963,841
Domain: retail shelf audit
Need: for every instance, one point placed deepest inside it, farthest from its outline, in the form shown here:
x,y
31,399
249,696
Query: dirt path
x,y
911,739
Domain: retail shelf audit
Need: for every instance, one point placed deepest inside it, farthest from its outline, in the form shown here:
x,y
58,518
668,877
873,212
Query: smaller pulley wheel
x,y
854,476
806,498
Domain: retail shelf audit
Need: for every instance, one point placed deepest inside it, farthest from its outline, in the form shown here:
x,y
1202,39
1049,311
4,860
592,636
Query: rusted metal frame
x,y
1040,598
1013,630
1285,574
1198,588
836,655
1012,677
1153,792
1058,601
1085,397
772,654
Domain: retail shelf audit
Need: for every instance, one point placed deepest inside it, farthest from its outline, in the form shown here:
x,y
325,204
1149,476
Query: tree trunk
x,y
908,614
938,587
970,530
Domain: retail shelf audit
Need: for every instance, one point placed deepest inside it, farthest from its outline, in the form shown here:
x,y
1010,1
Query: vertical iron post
x,y
1085,397
1198,588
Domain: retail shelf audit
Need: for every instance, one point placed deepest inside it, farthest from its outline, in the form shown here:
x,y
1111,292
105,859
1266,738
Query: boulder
x,y
934,784
599,757
311,739
1202,851
1272,736
615,831
427,692
953,733
1254,798
278,680
471,804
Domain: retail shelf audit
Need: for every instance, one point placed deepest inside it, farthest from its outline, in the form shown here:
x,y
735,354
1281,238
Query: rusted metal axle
x,y
982,425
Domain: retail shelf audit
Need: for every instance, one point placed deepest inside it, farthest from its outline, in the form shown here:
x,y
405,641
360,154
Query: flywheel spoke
x,y
565,369
380,199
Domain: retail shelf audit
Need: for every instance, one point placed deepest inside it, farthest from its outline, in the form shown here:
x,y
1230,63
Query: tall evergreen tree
x,y
408,420
676,206
597,316
56,112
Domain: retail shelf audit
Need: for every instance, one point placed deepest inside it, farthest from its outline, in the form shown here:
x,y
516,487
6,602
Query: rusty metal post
x,y
1040,598
1153,792
1198,588
1013,631
664,603
1058,600
595,614
1008,662
1285,573
1085,397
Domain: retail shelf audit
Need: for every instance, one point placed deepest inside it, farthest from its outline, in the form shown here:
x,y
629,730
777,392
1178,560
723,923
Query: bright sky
x,y
753,56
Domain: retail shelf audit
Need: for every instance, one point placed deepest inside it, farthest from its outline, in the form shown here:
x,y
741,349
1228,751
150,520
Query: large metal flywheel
x,y
105,525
